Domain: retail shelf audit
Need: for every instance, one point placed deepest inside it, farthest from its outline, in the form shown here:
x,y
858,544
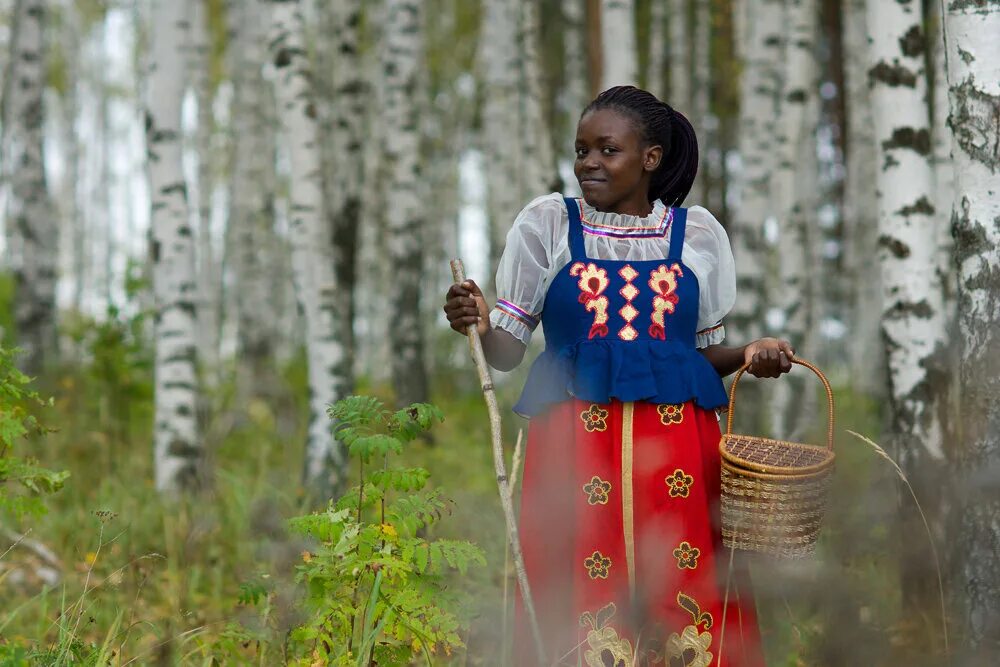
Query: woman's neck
x,y
638,208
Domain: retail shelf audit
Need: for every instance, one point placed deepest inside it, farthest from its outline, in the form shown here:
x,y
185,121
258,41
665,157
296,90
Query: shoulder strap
x,y
576,247
677,226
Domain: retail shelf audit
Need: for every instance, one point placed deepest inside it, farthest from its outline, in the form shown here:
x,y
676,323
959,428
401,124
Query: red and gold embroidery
x,y
606,647
687,556
595,418
628,311
679,483
690,647
671,414
598,565
593,281
597,491
663,282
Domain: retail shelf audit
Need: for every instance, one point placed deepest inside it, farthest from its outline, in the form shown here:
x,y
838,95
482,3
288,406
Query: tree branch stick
x,y
486,382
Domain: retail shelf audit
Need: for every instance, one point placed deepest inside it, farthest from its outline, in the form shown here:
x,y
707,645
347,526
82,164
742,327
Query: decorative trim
x,y
663,282
687,556
715,327
597,229
628,508
519,314
598,565
597,491
594,418
670,414
628,312
593,281
679,483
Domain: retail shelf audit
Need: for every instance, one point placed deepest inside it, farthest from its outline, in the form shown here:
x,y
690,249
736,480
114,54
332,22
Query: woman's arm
x,y
466,305
768,358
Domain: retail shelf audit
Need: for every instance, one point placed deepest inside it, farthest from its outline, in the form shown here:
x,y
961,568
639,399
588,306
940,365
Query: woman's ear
x,y
651,158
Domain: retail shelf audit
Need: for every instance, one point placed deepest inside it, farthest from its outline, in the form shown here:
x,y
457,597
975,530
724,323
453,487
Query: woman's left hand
x,y
768,357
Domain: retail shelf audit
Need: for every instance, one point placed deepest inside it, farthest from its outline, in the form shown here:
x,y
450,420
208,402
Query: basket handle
x,y
800,362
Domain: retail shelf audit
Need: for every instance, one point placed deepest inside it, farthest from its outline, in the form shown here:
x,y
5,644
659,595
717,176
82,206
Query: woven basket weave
x,y
773,491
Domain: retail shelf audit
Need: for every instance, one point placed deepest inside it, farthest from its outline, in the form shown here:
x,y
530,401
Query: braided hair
x,y
658,124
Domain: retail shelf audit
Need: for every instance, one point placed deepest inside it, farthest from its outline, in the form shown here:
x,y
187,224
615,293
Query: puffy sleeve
x,y
707,252
526,267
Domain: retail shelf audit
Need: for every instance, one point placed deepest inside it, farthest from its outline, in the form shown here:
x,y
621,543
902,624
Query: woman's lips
x,y
591,181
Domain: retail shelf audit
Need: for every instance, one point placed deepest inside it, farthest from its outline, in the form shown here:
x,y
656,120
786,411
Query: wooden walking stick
x,y
486,382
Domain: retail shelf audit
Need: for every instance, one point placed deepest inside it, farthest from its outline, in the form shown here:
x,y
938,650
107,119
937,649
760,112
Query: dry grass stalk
x,y
514,467
930,538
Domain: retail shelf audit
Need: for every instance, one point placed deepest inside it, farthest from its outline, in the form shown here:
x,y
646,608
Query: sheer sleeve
x,y
707,252
527,267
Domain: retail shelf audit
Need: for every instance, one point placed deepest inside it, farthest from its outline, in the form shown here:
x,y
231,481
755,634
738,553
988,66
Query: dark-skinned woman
x,y
619,507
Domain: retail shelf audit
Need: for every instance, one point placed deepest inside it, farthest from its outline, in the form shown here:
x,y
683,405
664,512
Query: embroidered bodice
x,y
621,330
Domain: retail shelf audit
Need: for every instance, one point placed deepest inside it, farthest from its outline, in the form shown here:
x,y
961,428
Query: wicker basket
x,y
774,492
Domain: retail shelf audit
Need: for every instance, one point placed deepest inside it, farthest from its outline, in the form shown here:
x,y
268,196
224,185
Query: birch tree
x,y
973,58
760,92
793,190
252,241
680,56
402,60
620,53
860,226
912,316
659,48
179,451
701,83
313,262
31,225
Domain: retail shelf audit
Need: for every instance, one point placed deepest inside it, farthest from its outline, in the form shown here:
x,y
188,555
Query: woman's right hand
x,y
465,305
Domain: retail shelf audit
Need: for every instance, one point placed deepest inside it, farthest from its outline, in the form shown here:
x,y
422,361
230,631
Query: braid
x,y
658,124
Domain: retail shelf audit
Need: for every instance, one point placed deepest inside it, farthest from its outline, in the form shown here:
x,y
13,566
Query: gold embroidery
x,y
690,648
598,565
593,281
594,418
628,526
606,647
687,556
679,483
663,281
628,311
671,414
597,491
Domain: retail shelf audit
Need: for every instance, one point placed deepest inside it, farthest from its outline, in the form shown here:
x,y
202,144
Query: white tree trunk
x,y
208,265
793,191
537,159
402,62
499,60
575,92
178,448
680,56
760,91
659,49
860,224
620,53
913,323
974,84
251,222
32,228
313,261
700,100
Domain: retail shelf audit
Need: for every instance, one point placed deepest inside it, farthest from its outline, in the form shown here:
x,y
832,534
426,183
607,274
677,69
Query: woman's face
x,y
612,165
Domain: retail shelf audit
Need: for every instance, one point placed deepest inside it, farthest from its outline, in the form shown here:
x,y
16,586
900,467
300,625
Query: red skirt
x,y
619,526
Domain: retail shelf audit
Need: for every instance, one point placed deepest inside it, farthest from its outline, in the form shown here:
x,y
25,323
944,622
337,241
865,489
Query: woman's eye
x,y
608,150
580,152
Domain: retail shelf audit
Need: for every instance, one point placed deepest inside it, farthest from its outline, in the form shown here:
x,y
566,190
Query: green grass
x,y
156,582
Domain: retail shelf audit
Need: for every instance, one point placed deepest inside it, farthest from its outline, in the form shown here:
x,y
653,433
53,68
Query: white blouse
x,y
538,248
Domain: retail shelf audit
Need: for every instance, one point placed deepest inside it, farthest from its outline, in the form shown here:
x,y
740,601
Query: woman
x,y
619,509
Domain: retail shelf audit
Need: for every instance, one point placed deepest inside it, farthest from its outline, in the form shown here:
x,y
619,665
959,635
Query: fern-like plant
x,y
23,482
376,584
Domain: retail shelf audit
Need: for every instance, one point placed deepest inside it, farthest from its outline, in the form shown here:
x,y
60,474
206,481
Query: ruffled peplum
x,y
663,372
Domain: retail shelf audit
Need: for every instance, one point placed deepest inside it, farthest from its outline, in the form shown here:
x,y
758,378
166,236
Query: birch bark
x,y
861,210
313,261
973,55
760,87
179,452
659,48
680,56
701,81
621,65
32,228
912,310
402,60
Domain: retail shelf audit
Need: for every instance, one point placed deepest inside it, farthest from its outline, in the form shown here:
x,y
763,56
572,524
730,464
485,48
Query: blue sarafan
x,y
621,330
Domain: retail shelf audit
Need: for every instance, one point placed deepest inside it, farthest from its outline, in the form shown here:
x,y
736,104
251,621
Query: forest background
x,y
222,216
